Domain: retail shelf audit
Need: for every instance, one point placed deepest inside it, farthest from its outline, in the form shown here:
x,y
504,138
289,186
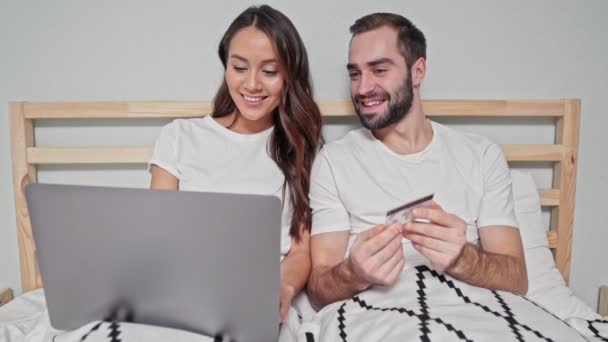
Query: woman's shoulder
x,y
182,124
185,127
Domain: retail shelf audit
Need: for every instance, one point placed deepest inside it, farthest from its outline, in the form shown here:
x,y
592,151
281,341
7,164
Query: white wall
x,y
146,50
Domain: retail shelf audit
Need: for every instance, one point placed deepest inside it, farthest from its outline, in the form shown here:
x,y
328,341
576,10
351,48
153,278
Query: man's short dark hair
x,y
412,43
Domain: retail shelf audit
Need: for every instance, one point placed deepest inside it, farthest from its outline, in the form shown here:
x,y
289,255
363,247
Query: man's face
x,y
380,81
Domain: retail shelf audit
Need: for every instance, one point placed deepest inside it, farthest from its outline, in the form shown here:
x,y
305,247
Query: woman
x,y
261,137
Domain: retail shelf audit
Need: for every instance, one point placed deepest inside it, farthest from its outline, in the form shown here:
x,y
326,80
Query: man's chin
x,y
370,120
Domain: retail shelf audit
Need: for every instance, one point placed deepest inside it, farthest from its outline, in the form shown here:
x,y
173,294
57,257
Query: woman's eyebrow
x,y
266,61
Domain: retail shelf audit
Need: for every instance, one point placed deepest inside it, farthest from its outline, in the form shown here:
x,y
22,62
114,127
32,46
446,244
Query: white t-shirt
x,y
206,156
357,179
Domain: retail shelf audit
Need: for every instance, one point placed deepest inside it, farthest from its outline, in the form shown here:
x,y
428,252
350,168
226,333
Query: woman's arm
x,y
162,180
295,270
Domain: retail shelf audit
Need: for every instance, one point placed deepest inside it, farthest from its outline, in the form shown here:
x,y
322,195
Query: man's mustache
x,y
377,94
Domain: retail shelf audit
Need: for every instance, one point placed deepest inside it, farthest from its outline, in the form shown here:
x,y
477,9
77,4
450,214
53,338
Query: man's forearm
x,y
489,270
332,284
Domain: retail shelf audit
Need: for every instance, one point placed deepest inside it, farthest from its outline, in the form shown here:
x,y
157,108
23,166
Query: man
x,y
470,233
402,158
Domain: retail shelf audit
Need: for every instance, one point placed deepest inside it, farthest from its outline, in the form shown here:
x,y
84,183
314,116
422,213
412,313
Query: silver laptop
x,y
201,262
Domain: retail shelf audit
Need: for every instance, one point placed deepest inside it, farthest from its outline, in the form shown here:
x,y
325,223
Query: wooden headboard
x,y
26,156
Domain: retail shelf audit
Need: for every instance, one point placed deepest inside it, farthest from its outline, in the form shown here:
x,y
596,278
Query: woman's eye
x,y
239,68
270,72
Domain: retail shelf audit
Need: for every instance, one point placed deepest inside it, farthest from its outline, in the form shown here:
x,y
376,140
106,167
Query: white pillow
x,y
546,286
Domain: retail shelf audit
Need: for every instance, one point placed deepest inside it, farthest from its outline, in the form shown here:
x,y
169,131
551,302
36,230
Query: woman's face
x,y
253,74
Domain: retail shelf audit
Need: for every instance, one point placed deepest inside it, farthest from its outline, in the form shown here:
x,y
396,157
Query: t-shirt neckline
x,y
239,136
413,157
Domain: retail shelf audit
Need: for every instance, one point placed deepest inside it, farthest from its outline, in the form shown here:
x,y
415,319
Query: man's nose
x,y
366,84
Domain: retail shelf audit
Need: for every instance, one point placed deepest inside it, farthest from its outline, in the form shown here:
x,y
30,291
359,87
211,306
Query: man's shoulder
x,y
459,141
351,142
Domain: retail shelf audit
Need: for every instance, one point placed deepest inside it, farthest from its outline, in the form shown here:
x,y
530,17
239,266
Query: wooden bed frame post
x,y
22,137
564,179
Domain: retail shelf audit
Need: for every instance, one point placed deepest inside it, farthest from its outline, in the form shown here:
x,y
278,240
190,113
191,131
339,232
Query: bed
x,y
559,200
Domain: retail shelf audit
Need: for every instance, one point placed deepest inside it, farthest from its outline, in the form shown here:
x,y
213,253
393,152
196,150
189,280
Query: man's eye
x,y
379,71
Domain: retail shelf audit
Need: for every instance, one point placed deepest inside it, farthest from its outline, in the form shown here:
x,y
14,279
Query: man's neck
x,y
410,135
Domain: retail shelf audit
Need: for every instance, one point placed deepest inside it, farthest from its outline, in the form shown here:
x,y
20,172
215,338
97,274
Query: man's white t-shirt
x,y
205,156
357,179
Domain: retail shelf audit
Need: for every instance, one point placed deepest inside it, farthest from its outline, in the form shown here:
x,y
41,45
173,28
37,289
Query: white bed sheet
x,y
26,319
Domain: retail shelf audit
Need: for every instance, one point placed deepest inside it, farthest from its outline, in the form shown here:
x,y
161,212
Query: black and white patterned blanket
x,y
429,306
424,306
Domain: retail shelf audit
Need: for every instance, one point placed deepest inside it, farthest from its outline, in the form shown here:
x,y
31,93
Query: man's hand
x,y
376,257
441,240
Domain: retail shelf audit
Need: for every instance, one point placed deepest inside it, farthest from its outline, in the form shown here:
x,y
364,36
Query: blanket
x,y
426,305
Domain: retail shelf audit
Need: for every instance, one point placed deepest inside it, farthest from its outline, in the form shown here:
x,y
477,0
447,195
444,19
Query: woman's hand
x,y
295,269
287,294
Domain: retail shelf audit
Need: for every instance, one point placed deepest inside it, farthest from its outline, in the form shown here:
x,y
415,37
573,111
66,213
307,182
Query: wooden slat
x,y
564,178
534,152
6,295
43,110
552,239
122,155
171,109
603,307
88,155
549,197
181,109
493,108
336,108
72,110
22,138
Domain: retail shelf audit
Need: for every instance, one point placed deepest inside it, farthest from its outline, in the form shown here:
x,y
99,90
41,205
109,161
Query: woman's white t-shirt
x,y
206,156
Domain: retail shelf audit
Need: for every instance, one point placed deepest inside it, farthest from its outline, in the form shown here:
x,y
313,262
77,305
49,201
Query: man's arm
x,y
331,278
376,258
498,264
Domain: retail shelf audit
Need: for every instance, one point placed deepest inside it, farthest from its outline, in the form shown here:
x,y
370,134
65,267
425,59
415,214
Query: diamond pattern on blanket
x,y
599,328
596,330
427,305
93,329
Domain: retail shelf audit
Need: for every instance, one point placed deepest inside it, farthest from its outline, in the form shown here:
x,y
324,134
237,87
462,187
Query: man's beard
x,y
398,105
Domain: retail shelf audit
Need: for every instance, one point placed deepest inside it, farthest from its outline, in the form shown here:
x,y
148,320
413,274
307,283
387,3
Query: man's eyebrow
x,y
375,62
380,61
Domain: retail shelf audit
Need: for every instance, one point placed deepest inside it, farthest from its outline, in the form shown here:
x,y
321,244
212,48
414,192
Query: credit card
x,y
403,213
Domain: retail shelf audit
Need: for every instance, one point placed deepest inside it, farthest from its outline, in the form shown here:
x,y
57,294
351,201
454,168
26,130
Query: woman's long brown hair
x,y
297,120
